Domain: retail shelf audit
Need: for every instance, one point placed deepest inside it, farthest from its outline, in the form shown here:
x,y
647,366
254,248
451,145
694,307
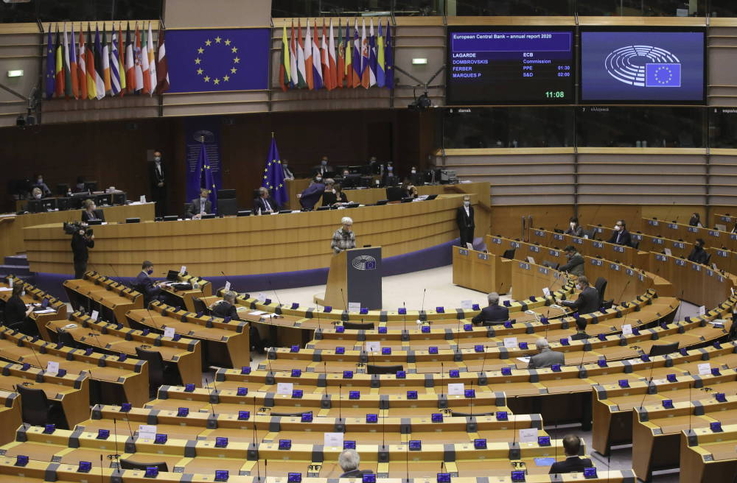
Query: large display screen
x,y
642,66
510,66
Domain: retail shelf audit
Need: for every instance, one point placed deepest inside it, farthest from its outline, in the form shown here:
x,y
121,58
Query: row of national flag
x,y
79,67
322,60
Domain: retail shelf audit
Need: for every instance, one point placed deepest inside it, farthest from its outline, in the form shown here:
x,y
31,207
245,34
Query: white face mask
x,y
617,228
318,180
466,204
573,225
324,163
414,171
37,196
157,159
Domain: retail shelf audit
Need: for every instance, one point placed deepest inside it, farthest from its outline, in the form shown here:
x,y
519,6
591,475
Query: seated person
x,y
580,330
334,197
493,312
621,236
225,307
150,290
575,265
695,220
79,187
588,299
264,203
200,206
574,229
311,195
545,356
698,254
408,189
349,461
39,183
90,212
36,193
323,168
573,463
16,313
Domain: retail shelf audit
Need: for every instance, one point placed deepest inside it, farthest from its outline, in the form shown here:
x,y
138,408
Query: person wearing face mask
x,y
334,197
285,167
343,238
695,220
621,236
698,254
323,168
573,228
158,184
145,285
390,179
415,177
36,193
39,183
200,206
312,194
587,301
466,223
575,265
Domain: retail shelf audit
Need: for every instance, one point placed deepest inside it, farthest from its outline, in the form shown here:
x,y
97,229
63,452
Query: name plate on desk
x,y
658,241
733,236
577,240
524,266
535,248
693,229
554,253
720,278
672,226
679,245
614,266
558,236
483,256
714,233
653,222
618,248
599,229
597,263
463,251
598,244
496,241
726,218
514,244
539,233
696,266
722,253
543,270
680,263
629,271
636,237
641,276
661,258
709,272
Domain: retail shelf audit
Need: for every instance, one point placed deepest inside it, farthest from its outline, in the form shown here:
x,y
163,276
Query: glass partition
x,y
723,127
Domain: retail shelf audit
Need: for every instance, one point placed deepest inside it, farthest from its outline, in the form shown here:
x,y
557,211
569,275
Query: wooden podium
x,y
354,276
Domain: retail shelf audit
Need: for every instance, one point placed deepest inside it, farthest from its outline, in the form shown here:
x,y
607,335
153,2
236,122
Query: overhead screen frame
x,y
641,29
450,101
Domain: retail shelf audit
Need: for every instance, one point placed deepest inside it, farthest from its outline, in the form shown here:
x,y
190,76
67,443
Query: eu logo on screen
x,y
663,75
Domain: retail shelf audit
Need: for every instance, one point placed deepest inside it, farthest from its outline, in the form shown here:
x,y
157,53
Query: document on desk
x,y
44,311
257,312
526,360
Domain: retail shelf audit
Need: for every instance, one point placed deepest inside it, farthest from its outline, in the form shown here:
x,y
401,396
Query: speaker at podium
x,y
354,277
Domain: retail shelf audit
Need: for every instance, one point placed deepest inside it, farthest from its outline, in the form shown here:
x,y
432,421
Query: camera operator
x,y
82,239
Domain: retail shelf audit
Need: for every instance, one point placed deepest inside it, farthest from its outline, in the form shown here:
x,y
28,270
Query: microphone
x,y
345,304
102,474
255,429
40,366
458,337
226,279
424,292
212,408
325,372
404,329
275,294
114,271
649,382
340,403
442,380
115,456
483,362
406,453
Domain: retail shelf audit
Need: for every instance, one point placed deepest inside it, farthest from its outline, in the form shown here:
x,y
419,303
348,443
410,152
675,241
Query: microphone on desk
x,y
345,304
226,279
442,379
114,271
40,366
212,407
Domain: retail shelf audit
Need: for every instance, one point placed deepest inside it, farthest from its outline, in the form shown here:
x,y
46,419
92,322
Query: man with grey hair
x,y
264,204
546,357
343,238
226,307
349,461
493,314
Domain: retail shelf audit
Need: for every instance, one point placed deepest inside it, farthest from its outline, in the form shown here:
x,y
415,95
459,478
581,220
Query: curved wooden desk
x,y
248,245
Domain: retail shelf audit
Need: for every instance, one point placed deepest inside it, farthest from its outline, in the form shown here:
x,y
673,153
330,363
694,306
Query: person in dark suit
x,y
580,330
159,184
349,461
465,221
621,236
39,183
574,229
698,254
200,206
311,195
90,212
145,285
82,240
323,168
573,463
575,265
264,204
695,220
588,299
493,312
545,356
334,197
227,308
288,174
16,312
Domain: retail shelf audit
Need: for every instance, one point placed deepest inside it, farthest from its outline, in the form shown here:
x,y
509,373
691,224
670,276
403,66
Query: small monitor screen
x,y
648,66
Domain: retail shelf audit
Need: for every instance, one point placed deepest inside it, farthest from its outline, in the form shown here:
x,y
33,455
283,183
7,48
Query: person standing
x,y
312,194
82,241
466,223
158,184
288,174
323,168
343,238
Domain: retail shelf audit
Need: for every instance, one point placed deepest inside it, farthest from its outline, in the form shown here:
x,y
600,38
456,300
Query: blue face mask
x,y
150,271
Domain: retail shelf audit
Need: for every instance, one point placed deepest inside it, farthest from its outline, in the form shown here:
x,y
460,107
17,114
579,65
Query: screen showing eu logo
x,y
642,66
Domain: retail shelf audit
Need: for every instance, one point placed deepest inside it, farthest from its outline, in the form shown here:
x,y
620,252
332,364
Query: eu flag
x,y
207,180
663,75
218,59
274,176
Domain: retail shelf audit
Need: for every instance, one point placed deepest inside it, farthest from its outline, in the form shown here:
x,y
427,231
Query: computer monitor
x,y
227,194
90,185
48,204
394,193
105,199
120,198
62,189
63,203
351,181
34,206
172,275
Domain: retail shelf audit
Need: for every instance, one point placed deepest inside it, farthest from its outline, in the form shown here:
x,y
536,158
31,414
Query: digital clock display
x,y
510,66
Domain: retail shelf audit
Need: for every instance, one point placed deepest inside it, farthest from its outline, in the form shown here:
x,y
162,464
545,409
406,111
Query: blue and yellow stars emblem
x,y
217,61
269,183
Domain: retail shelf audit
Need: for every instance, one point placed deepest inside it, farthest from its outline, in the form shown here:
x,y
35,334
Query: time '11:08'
x,y
555,94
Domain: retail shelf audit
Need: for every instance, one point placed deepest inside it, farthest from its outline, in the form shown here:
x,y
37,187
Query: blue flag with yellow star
x,y
273,178
218,59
